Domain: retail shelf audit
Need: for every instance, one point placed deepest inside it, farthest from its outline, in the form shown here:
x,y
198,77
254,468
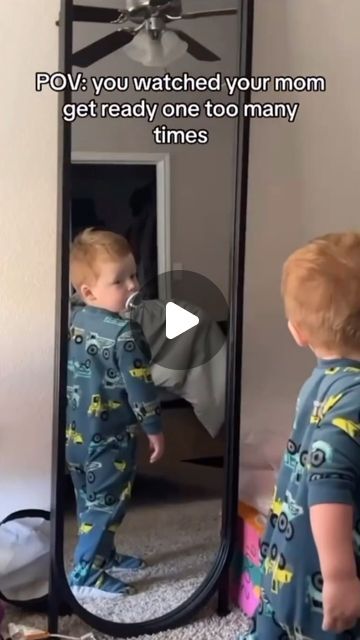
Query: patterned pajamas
x,y
109,391
320,466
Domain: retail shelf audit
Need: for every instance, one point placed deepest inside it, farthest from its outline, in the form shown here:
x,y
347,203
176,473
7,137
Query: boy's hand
x,y
157,447
332,528
341,604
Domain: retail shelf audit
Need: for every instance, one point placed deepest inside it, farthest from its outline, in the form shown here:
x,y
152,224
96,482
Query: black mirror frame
x,y
60,595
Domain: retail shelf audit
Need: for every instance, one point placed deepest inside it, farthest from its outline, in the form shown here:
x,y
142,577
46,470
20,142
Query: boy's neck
x,y
323,354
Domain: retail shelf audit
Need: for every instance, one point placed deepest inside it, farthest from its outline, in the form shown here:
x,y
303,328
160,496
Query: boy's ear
x,y
298,336
86,293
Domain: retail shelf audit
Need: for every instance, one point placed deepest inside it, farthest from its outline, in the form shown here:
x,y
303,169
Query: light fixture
x,y
156,52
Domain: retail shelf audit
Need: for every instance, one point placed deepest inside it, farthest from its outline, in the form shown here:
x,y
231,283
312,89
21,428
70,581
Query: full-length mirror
x,y
151,231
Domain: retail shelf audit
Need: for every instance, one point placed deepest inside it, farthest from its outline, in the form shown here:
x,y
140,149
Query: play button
x,y
178,320
182,315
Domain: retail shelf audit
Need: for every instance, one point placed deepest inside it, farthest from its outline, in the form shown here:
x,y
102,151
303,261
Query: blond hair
x,y
89,249
321,291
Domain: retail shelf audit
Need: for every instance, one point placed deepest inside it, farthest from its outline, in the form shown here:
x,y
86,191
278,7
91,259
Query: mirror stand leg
x,y
224,595
53,606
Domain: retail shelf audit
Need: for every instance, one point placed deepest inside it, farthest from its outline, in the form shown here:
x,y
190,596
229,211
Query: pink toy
x,y
246,563
248,596
253,526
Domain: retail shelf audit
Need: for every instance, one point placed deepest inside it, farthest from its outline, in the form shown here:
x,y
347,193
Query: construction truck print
x,y
332,370
275,564
85,528
350,427
91,469
120,465
320,409
77,335
292,455
73,394
102,501
72,435
265,607
95,343
126,493
98,441
283,513
320,453
80,369
141,372
144,410
290,511
314,594
100,408
112,380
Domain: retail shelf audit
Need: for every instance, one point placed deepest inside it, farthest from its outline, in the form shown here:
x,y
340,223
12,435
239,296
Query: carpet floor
x,y
208,626
179,543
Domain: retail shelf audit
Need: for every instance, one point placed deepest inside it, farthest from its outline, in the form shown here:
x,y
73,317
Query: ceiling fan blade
x,y
159,3
94,14
196,49
207,14
101,48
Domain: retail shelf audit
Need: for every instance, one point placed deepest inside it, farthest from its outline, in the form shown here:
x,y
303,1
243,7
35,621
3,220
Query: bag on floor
x,y
25,559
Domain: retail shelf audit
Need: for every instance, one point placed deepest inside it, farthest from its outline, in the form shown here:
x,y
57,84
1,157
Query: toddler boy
x,y
109,391
311,549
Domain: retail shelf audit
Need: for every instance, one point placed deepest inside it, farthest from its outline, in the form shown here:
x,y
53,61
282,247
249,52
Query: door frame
x,y
163,201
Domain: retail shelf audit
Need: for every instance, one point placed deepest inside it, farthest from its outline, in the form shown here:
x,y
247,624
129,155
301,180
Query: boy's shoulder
x,y
341,392
342,378
103,323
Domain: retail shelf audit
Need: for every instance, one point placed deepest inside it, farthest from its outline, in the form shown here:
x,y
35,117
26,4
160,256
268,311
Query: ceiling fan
x,y
143,33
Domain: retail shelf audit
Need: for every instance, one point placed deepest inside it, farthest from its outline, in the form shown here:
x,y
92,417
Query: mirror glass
x,y
142,536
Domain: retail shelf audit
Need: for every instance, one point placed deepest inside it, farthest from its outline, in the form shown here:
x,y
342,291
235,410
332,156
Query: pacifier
x,y
133,301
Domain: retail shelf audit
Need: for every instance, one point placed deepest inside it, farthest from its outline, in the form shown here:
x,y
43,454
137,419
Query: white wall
x,y
304,181
28,173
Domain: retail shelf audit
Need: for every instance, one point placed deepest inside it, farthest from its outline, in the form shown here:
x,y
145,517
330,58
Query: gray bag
x,y
25,559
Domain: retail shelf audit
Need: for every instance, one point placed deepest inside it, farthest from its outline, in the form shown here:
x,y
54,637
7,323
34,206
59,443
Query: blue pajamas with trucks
x,y
321,465
109,392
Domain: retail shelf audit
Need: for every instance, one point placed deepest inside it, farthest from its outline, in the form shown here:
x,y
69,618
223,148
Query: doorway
x,y
120,198
127,194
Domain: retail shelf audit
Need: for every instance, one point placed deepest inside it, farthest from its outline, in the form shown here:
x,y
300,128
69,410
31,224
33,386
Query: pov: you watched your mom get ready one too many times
x,y
145,109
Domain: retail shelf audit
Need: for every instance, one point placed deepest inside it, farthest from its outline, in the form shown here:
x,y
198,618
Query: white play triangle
x,y
178,320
